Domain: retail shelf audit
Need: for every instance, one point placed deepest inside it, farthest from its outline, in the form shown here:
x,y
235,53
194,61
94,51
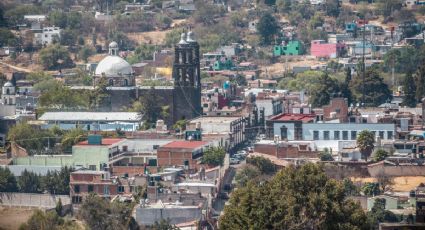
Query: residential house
x,y
181,153
47,36
321,49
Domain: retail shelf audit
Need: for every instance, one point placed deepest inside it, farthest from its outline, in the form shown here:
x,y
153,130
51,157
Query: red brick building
x,y
181,153
82,183
337,109
286,150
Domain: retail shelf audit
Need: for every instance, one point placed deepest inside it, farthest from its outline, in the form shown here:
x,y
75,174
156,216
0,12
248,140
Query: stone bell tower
x,y
187,78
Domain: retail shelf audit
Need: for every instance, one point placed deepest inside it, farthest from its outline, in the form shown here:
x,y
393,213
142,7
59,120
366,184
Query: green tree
x,y
365,142
29,182
376,91
98,97
297,198
142,52
245,174
324,91
420,82
72,137
59,207
265,165
267,28
7,181
55,57
98,213
214,156
332,8
284,6
326,155
164,225
7,38
371,189
85,53
68,37
404,60
409,89
350,188
378,214
16,14
180,125
48,220
380,155
28,137
344,87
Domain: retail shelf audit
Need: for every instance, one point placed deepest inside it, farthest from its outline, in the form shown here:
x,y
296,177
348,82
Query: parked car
x,y
234,161
239,156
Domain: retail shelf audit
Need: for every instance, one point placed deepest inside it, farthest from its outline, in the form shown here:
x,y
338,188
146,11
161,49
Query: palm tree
x,y
365,142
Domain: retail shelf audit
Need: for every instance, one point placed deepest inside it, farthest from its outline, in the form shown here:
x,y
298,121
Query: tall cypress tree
x,y
345,86
420,82
409,89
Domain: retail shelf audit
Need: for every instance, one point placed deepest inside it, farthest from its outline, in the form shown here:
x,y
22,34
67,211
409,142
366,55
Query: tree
x,y
245,174
48,220
284,6
7,181
55,57
332,8
376,91
7,38
214,156
385,182
409,89
344,87
350,188
380,155
29,182
365,142
72,137
403,60
326,155
371,189
265,165
16,14
59,207
85,53
378,214
420,82
98,97
324,91
267,28
68,37
296,198
28,137
101,214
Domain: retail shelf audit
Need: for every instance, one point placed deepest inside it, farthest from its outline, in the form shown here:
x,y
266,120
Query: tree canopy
x,y
7,181
376,91
365,142
214,156
55,57
296,198
267,27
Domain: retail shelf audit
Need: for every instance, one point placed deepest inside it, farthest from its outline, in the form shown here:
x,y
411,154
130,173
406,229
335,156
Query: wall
x,y
392,171
176,215
171,157
90,155
46,160
291,130
32,200
284,151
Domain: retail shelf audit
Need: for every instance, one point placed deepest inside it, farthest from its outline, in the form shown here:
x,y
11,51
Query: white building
x,y
47,36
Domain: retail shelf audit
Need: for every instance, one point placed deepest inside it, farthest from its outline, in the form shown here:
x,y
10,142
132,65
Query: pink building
x,y
321,49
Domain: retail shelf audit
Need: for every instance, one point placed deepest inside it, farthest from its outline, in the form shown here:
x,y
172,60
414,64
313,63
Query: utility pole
x,y
364,64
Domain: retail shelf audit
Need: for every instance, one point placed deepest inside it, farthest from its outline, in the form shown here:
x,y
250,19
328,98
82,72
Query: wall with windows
x,y
345,131
290,130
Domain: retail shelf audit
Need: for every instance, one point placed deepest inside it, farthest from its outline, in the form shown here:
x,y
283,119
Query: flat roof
x,y
185,144
215,119
105,142
294,117
91,116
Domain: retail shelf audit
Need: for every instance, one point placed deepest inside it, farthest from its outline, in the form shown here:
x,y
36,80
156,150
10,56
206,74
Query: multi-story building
x,y
47,36
181,153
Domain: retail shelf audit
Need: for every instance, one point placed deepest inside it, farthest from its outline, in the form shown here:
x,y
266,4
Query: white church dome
x,y
8,84
113,66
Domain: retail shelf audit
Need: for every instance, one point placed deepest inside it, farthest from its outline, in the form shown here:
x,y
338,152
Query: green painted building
x,y
88,154
223,65
291,49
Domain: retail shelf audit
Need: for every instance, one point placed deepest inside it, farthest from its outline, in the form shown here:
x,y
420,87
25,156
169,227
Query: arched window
x,y
111,82
125,82
7,91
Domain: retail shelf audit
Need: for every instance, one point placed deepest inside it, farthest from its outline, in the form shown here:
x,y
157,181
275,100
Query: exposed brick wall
x,y
132,170
336,104
289,151
171,157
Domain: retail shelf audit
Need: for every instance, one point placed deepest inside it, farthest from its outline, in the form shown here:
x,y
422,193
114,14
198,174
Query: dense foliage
x,y
296,198
214,156
365,142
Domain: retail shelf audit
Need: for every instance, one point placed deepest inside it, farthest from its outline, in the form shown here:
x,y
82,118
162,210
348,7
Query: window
x,y
283,132
337,110
106,190
381,134
336,135
111,82
76,188
374,134
120,188
125,82
345,135
92,167
76,199
326,135
353,135
315,135
390,134
90,188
